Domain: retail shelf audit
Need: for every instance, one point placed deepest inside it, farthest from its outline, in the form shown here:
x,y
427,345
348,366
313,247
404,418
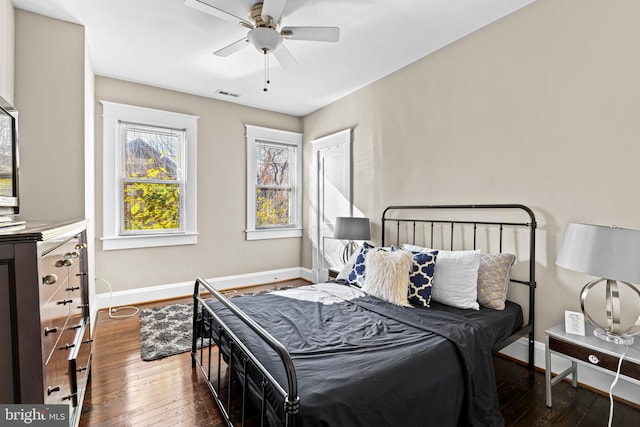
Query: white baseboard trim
x,y
177,290
597,378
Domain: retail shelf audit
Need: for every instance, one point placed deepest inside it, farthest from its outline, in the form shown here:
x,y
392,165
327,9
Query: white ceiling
x,y
167,44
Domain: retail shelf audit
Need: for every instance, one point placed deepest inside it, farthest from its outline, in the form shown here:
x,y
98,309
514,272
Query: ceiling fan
x,y
265,31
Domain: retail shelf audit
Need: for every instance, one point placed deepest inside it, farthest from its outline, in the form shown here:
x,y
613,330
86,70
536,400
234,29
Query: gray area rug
x,y
166,331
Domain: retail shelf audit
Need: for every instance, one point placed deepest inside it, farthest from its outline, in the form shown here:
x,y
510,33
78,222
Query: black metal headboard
x,y
459,227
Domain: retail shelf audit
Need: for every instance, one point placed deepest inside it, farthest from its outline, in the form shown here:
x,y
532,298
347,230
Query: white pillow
x,y
388,275
455,280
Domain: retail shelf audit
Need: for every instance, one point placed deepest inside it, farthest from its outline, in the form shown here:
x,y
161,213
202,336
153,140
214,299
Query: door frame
x,y
340,139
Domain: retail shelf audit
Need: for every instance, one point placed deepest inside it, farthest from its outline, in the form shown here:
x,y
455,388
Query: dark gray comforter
x,y
363,362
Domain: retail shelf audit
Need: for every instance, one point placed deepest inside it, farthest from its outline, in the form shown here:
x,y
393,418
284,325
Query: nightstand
x,y
588,350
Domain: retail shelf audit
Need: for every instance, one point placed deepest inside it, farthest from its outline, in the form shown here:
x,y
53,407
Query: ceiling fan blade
x,y
232,48
320,34
284,57
206,7
272,9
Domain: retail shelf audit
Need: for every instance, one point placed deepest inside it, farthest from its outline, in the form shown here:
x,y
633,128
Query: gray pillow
x,y
494,274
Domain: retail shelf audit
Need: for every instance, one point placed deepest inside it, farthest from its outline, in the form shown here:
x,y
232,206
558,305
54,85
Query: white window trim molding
x,y
112,114
257,133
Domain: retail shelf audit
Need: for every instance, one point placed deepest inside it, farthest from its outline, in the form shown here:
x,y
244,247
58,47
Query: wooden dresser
x,y
44,315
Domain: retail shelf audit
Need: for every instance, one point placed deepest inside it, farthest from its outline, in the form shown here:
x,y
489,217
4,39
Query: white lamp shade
x,y
601,251
352,228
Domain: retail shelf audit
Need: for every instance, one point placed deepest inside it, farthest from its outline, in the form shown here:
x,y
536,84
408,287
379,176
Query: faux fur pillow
x,y
388,275
493,279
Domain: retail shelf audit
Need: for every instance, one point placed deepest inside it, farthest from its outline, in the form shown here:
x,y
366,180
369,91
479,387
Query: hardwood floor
x,y
126,391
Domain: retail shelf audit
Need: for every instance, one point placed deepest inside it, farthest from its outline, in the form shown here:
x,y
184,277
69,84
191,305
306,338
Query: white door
x,y
331,198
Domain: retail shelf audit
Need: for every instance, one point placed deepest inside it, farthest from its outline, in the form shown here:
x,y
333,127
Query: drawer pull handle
x,y
67,346
69,396
74,327
84,273
73,288
49,330
81,368
594,359
49,279
65,302
81,246
89,341
64,263
52,390
73,254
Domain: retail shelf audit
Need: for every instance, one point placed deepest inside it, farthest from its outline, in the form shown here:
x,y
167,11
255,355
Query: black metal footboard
x,y
237,379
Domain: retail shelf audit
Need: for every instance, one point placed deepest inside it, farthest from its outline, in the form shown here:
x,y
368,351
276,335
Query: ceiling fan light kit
x,y
264,30
264,39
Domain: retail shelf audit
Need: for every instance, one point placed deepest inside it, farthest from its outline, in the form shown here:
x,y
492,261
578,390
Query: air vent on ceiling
x,y
226,93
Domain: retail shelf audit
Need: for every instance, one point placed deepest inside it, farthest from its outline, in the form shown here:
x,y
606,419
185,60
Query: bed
x,y
347,354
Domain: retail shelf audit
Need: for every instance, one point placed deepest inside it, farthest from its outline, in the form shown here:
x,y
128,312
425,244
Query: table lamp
x,y
613,255
351,228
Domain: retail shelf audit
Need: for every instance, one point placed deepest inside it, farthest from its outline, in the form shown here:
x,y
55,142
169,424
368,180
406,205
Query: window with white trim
x,y
274,176
149,186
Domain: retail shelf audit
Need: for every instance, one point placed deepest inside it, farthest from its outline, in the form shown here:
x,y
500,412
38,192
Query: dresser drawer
x,y
53,317
58,375
75,291
55,259
56,266
81,363
594,357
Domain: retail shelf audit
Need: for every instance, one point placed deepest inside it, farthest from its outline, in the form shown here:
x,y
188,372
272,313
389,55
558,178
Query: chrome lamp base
x,y
623,339
611,332
348,250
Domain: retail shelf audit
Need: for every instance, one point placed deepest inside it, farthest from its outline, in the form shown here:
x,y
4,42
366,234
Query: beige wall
x,y
7,50
49,95
539,108
222,249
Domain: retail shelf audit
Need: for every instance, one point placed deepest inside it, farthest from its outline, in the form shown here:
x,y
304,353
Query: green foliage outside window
x,y
151,206
272,185
151,191
6,186
272,207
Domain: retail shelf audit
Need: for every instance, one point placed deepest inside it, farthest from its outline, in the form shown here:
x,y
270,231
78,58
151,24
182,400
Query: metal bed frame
x,y
231,371
453,225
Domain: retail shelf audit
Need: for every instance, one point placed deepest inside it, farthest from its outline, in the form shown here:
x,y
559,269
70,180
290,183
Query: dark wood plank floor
x,y
126,391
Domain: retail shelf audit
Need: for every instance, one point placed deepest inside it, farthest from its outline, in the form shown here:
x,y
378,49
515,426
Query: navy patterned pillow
x,y
357,274
421,277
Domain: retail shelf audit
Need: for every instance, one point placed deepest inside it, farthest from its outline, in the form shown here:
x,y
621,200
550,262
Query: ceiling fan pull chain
x,y
266,69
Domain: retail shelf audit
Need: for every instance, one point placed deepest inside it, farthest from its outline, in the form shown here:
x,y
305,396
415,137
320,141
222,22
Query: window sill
x,y
283,233
149,241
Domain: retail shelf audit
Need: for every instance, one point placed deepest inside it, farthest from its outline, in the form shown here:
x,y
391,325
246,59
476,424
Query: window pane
x,y
151,153
272,207
151,206
6,156
273,164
